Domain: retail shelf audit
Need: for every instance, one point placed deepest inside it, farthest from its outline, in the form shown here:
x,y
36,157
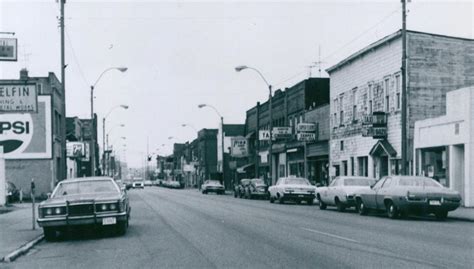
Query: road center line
x,y
330,235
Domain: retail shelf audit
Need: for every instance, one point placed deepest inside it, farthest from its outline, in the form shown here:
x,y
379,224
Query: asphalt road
x,y
186,229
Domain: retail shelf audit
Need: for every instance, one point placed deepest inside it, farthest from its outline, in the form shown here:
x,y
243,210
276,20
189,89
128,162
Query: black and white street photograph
x,y
236,134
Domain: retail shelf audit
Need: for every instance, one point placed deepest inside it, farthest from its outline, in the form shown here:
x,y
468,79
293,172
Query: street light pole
x,y
222,137
93,138
103,134
270,112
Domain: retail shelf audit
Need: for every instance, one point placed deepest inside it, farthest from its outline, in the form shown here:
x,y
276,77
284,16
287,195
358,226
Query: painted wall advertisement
x,y
239,147
75,150
28,135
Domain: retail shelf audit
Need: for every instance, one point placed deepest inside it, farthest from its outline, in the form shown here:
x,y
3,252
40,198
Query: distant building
x,y
42,154
231,131
444,146
207,155
366,123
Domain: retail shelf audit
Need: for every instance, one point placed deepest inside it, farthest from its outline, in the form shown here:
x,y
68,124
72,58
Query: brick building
x,y
79,130
366,86
44,157
230,131
289,109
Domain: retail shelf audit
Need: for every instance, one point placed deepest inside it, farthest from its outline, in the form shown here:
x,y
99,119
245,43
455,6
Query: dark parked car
x,y
239,190
256,189
13,194
212,186
95,201
402,195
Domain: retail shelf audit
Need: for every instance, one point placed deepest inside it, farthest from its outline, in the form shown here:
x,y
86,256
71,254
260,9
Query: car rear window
x,y
418,182
85,187
296,180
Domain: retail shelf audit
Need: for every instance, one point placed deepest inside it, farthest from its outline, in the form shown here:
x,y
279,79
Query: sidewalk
x,y
16,229
464,213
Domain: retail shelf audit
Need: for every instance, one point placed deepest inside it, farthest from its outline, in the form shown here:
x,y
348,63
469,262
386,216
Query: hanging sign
x,y
306,127
8,49
308,137
281,132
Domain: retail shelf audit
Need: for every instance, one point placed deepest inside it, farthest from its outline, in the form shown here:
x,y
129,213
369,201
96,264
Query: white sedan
x,y
340,192
292,189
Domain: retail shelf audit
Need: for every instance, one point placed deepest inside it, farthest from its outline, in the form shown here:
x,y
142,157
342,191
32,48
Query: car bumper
x,y
80,220
259,194
298,196
214,190
426,207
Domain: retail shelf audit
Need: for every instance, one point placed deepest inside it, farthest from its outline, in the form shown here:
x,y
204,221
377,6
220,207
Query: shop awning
x,y
242,169
383,146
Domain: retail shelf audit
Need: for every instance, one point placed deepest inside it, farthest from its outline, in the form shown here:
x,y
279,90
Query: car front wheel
x,y
392,210
49,233
322,205
340,206
361,208
441,215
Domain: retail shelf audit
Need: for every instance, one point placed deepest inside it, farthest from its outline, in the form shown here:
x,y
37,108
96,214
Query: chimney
x,y
24,74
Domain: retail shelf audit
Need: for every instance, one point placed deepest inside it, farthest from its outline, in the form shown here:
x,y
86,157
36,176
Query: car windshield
x,y
418,182
84,187
358,182
298,181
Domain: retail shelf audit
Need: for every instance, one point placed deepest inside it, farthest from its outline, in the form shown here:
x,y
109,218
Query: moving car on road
x,y
256,189
292,189
340,192
402,195
96,201
239,190
138,184
212,186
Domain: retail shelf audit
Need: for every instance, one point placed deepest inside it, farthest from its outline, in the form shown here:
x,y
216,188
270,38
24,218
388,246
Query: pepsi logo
x,y
16,132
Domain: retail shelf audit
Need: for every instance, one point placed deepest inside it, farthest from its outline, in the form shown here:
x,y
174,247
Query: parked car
x,y
292,189
256,189
147,183
403,195
212,186
340,192
13,194
96,201
239,190
138,185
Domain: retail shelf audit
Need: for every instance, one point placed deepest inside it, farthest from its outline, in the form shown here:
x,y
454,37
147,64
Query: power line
x,y
76,60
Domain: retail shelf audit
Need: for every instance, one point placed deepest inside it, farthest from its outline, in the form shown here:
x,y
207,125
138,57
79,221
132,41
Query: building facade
x,y
448,154
366,98
230,132
79,133
43,159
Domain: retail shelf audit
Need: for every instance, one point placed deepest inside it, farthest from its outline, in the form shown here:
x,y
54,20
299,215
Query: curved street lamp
x,y
92,155
189,125
103,128
222,136
241,68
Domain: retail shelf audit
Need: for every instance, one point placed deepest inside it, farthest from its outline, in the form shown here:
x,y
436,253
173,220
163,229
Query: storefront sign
x,y
264,135
281,132
28,136
239,147
377,118
308,137
75,149
8,49
375,132
18,98
306,127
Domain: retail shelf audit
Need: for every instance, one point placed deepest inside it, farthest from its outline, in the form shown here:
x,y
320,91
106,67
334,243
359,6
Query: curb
x,y
22,250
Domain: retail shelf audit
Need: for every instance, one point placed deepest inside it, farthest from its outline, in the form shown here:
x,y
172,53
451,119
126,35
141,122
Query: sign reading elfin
x,y
18,98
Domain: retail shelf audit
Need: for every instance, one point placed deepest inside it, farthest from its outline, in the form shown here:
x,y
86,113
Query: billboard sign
x,y
306,127
239,147
75,149
307,137
8,49
16,98
28,135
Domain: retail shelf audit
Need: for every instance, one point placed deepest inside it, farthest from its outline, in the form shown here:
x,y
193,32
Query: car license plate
x,y
435,202
109,221
301,195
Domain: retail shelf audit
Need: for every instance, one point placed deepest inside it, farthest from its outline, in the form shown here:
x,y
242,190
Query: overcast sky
x,y
183,53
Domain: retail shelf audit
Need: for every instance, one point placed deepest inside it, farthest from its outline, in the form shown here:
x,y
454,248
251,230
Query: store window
x,y
363,165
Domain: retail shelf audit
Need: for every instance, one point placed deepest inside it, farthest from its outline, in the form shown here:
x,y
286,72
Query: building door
x,y
380,166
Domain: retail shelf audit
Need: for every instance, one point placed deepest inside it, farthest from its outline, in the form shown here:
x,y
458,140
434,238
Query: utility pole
x,y
404,91
147,156
271,134
63,82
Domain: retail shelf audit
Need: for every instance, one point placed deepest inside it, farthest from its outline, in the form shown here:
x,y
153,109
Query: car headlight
x,y
49,211
103,207
57,211
113,206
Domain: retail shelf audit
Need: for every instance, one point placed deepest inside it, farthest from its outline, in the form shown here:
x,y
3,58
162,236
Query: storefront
x,y
448,155
317,156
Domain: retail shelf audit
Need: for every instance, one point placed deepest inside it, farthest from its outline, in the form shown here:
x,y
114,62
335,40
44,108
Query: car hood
x,y
83,197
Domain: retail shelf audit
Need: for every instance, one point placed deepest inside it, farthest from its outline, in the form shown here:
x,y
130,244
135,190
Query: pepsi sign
x,y
27,135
